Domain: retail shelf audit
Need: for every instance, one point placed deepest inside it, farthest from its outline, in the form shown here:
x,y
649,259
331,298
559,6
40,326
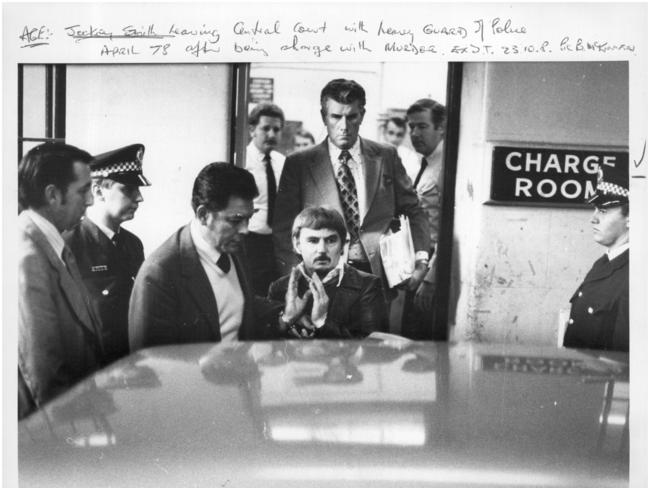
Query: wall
x,y
520,265
179,112
297,88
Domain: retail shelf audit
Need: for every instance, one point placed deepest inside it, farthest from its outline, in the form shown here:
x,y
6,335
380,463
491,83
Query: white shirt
x,y
225,287
257,167
410,161
356,168
52,234
613,253
429,189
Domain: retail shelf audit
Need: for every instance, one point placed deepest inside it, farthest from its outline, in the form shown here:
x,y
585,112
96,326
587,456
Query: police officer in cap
x,y
600,306
108,255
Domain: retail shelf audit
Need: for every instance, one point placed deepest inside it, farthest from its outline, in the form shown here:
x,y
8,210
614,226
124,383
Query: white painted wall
x,y
297,88
179,112
520,265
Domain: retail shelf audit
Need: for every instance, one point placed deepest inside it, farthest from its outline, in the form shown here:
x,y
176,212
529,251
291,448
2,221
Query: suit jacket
x,y
308,179
108,273
357,306
600,307
58,328
172,301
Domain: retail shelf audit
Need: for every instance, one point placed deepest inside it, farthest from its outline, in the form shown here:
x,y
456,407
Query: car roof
x,y
337,413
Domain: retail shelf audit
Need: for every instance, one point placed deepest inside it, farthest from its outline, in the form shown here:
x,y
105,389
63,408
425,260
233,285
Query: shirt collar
x,y
335,152
613,253
90,215
52,234
337,273
436,155
259,155
202,247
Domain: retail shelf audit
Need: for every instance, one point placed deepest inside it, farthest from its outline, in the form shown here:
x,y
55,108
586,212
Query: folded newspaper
x,y
397,253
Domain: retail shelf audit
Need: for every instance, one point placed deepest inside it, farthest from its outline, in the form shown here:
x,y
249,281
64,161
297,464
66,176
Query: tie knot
x,y
267,158
344,157
224,263
424,162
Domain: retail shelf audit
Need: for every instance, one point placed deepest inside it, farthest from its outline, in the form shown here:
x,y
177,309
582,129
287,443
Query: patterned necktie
x,y
348,195
224,263
271,188
423,166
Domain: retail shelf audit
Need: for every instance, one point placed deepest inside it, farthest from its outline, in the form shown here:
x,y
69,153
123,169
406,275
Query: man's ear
x,y
96,190
52,193
202,214
296,245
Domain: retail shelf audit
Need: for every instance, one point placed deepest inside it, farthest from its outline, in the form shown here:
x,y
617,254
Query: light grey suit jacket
x,y
308,179
58,339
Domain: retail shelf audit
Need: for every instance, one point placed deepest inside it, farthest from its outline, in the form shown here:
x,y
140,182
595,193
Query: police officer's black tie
x,y
271,187
423,166
224,263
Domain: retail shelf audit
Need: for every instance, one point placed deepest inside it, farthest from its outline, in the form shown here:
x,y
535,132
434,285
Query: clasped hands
x,y
295,319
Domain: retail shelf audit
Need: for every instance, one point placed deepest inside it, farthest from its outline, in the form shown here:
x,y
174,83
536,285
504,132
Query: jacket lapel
x,y
373,166
247,317
69,287
604,268
324,179
196,281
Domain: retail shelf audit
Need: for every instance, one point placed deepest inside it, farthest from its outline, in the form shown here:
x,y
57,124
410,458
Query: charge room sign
x,y
543,175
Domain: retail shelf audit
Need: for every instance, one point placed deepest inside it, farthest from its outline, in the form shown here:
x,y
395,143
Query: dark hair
x,y
342,91
398,121
306,134
217,182
51,163
317,218
438,111
267,109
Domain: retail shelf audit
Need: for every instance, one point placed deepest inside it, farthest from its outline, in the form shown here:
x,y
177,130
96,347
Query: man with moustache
x,y
364,180
59,341
600,316
195,286
324,297
265,164
427,123
108,255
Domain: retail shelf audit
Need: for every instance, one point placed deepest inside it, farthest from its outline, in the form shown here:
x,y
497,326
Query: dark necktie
x,y
348,195
423,166
117,240
224,263
271,188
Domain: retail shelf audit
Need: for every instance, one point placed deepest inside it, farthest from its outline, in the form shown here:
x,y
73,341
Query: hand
x,y
302,329
294,305
423,300
418,275
321,300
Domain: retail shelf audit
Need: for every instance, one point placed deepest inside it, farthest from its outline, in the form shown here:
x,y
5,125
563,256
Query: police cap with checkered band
x,y
612,187
123,165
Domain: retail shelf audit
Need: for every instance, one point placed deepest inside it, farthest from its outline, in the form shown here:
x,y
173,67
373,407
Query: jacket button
x,y
590,310
570,321
104,292
579,293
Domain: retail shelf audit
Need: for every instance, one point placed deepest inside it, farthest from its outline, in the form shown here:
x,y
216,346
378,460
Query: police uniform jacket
x,y
108,273
600,307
